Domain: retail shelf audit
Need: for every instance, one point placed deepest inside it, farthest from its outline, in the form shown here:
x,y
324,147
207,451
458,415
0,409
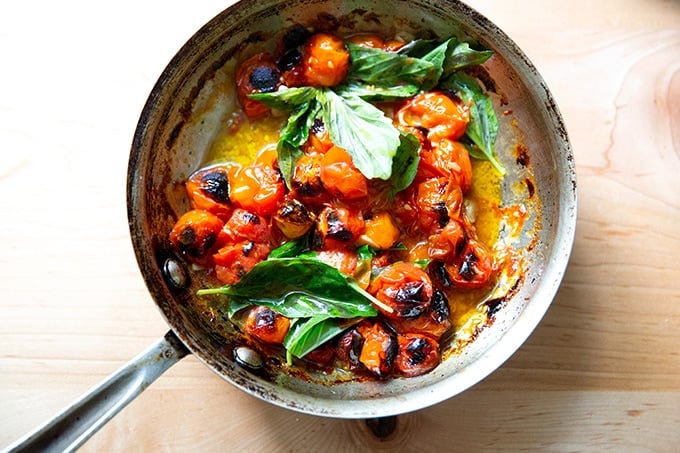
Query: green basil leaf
x,y
418,47
405,163
290,249
293,136
362,130
306,335
377,93
463,56
299,288
383,68
436,56
285,98
482,129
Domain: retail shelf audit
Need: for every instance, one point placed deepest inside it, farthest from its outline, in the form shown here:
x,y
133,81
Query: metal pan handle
x,y
69,429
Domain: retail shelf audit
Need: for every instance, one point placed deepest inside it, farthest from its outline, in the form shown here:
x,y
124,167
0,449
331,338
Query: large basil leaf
x,y
362,130
405,163
285,98
298,288
482,129
294,134
463,56
305,335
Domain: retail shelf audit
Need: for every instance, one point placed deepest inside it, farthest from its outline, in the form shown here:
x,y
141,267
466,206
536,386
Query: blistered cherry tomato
x,y
473,268
379,348
442,116
208,189
258,188
403,288
438,200
306,181
446,158
448,242
344,260
325,60
244,224
337,227
258,74
267,325
195,235
340,177
434,321
418,354
233,261
293,219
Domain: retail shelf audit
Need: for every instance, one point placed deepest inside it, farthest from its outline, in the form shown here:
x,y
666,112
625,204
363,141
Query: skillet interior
x,y
179,121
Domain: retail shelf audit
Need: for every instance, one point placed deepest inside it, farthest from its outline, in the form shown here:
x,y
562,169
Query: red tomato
x,y
418,354
473,268
337,227
404,289
245,225
233,261
437,201
446,158
442,116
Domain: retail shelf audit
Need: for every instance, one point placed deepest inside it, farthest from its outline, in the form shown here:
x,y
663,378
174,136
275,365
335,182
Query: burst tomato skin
x,y
403,288
259,189
325,60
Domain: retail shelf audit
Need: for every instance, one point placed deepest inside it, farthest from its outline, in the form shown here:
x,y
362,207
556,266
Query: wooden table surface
x,y
602,371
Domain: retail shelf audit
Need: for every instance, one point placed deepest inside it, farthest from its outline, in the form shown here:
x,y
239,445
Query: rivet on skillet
x,y
248,358
175,273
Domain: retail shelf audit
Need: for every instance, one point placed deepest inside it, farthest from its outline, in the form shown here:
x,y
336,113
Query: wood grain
x,y
601,372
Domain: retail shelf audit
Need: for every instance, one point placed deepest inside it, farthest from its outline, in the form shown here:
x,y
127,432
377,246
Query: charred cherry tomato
x,y
403,287
233,261
267,325
348,348
325,60
258,74
449,159
379,348
293,219
381,231
337,227
322,355
446,243
259,189
418,354
438,200
244,224
209,189
473,267
319,140
306,181
340,177
440,115
195,235
435,321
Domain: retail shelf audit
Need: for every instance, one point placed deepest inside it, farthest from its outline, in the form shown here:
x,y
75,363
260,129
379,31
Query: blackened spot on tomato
x,y
318,127
440,306
442,213
357,342
251,218
336,229
439,275
265,79
187,236
248,248
467,268
265,318
417,351
289,60
391,351
216,186
411,292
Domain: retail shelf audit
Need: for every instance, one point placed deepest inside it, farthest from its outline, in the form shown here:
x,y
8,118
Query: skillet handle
x,y
69,429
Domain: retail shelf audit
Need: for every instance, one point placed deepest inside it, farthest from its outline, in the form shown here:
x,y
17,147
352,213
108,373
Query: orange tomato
x,y
325,60
195,235
340,177
266,325
473,268
258,188
442,116
208,189
379,348
337,227
244,224
381,231
446,158
438,201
